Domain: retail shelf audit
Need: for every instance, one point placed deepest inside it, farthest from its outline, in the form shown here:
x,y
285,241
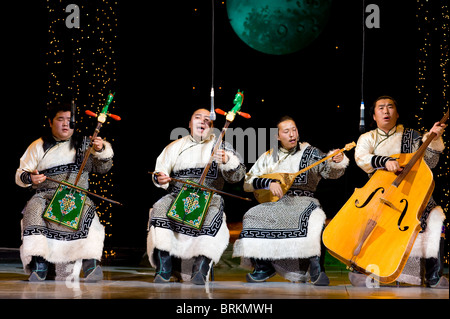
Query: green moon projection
x,y
278,26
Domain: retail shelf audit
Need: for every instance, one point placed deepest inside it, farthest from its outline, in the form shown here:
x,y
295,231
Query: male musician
x,y
285,236
170,242
374,151
59,155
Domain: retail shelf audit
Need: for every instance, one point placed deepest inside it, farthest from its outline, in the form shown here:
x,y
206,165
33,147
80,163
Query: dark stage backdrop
x,y
163,58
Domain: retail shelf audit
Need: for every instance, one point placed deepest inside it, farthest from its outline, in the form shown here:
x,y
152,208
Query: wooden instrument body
x,y
375,230
287,179
265,195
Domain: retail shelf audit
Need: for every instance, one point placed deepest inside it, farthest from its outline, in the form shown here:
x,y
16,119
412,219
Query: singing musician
x,y
174,248
58,154
374,151
284,237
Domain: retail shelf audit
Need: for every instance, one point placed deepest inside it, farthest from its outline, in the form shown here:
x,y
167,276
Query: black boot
x,y
163,262
434,268
317,272
200,270
39,269
357,279
176,268
303,265
263,270
92,270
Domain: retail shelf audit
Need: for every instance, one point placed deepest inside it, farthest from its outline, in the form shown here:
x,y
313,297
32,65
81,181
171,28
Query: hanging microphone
x,y
212,114
72,115
362,127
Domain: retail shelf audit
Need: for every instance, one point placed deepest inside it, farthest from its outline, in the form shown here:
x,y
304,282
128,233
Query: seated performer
x,y
59,155
172,247
285,236
373,151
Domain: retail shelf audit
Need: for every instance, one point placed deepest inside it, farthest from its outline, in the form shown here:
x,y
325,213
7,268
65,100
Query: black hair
x,y
52,110
285,118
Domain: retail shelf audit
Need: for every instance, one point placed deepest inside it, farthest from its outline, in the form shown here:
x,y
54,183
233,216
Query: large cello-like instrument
x,y
375,230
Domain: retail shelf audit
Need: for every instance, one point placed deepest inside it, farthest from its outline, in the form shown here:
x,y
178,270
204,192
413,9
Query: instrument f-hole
x,y
369,198
403,215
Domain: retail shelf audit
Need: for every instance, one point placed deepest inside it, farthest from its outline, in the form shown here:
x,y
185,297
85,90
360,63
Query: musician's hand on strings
x,y
97,143
221,156
37,178
393,166
337,158
438,128
163,179
276,190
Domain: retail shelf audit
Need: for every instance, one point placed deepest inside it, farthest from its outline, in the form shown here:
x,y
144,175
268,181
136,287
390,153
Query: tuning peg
x,y
221,112
114,117
246,115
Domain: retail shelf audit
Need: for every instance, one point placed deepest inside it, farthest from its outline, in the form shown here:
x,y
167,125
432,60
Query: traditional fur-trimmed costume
x,y
288,232
44,241
373,150
185,159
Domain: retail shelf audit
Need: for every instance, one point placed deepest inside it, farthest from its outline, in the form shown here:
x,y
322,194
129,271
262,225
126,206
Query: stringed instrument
x,y
375,230
203,187
287,179
68,201
193,200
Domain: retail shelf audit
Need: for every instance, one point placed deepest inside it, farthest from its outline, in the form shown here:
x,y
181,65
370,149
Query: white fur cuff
x,y
342,164
107,152
233,162
436,144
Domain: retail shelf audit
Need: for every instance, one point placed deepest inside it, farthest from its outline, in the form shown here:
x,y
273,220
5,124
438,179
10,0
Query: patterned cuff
x,y
379,161
155,178
262,183
25,177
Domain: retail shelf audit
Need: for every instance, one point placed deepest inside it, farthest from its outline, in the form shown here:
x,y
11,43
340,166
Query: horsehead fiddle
x,y
192,202
68,201
229,118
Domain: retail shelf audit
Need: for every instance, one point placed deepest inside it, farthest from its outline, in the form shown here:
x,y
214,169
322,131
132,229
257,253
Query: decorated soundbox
x,y
66,207
190,206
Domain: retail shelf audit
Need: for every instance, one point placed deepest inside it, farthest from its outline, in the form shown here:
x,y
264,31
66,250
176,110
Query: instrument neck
x,y
87,153
215,148
418,155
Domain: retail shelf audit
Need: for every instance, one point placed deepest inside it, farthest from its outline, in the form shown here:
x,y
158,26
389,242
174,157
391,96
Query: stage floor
x,y
127,282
